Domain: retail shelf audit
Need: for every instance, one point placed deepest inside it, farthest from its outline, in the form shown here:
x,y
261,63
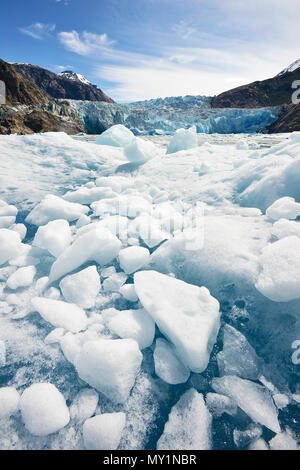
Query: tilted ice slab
x,y
188,426
81,288
186,314
55,237
167,365
60,314
98,245
254,399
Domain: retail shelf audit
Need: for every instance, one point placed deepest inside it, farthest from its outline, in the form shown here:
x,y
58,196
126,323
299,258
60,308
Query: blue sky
x,y
141,49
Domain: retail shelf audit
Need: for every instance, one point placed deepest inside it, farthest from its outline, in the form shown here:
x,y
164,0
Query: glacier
x,y
166,115
128,287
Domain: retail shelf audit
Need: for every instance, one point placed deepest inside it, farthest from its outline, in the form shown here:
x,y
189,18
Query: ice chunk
x,y
124,205
10,245
55,336
279,279
133,258
54,237
219,404
20,229
60,314
44,410
8,210
110,366
140,150
2,354
135,324
114,282
285,207
167,365
149,230
103,432
188,426
9,401
81,288
98,245
84,404
281,400
283,441
116,136
183,139
23,277
86,195
7,221
107,272
71,346
285,228
52,208
83,220
258,444
243,438
129,293
237,357
254,399
186,314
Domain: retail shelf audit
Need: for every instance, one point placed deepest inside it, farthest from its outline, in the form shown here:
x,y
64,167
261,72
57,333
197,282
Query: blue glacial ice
x,y
165,116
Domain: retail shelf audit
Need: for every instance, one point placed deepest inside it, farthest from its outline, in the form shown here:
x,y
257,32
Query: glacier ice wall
x,y
164,116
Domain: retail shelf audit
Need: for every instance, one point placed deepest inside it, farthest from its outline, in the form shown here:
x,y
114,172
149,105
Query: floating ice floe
x,y
55,237
43,408
136,324
167,365
9,402
183,139
60,314
23,277
219,404
279,279
103,432
285,207
186,314
98,245
52,208
110,366
116,136
84,404
81,288
254,399
188,426
129,293
237,357
10,245
133,258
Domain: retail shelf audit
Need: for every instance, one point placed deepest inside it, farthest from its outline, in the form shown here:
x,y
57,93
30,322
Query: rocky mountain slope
x,y
62,85
288,120
271,92
20,90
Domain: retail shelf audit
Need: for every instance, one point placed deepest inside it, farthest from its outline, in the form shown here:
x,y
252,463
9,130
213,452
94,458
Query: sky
x,y
143,49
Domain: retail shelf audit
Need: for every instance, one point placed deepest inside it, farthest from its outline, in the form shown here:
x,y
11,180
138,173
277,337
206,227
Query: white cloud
x,y
38,30
85,43
183,29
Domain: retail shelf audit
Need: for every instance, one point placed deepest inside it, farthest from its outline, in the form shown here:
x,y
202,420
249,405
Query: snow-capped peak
x,y
294,66
75,76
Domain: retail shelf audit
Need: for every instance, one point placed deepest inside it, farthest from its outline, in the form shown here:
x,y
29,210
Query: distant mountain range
x,y
35,99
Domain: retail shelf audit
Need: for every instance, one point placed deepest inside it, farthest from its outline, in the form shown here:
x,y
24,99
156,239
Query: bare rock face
x,y
288,121
20,90
272,92
62,86
36,120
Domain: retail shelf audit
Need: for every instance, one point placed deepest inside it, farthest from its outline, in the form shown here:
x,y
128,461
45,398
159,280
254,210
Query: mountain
x,y
271,92
76,76
288,120
19,89
66,85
